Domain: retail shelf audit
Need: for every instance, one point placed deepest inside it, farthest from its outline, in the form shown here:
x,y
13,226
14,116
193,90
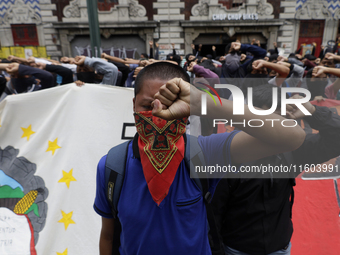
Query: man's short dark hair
x,y
177,59
263,96
227,48
292,55
272,57
144,55
188,55
310,57
208,64
160,70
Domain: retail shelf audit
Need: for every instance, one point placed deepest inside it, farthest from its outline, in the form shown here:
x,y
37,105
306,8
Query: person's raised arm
x,y
275,48
173,102
3,67
335,87
119,60
194,51
106,236
151,49
318,70
17,59
332,56
173,49
213,48
199,50
157,51
298,51
150,61
45,77
54,62
282,70
257,51
200,71
314,47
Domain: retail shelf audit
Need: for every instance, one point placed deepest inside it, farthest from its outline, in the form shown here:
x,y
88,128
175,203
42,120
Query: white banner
x,y
51,142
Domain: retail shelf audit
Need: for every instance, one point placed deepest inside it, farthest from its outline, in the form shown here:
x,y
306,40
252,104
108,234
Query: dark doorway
x,y
220,41
207,49
311,31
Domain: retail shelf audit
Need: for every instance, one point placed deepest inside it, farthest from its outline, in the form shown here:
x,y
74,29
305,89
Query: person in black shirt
x,y
23,77
65,73
253,211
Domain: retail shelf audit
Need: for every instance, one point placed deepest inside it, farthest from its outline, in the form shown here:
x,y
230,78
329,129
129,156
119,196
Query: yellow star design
x,y
64,253
27,132
66,219
67,178
53,146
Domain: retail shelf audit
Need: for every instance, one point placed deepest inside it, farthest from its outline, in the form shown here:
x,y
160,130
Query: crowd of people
x,y
239,62
252,215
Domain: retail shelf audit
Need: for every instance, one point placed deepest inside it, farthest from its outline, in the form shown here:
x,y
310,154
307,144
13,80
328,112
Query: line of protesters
x,y
240,61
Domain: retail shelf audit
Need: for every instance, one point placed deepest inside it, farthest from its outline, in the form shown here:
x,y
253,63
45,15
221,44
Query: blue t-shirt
x,y
179,224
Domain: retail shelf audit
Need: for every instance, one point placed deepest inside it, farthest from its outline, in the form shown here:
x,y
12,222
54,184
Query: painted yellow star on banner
x,y
64,253
53,146
66,219
27,132
67,178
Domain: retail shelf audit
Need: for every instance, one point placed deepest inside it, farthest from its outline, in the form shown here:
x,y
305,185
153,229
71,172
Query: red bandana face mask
x,y
161,147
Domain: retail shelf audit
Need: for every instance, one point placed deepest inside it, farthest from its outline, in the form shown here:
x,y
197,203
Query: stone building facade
x,y
126,26
29,23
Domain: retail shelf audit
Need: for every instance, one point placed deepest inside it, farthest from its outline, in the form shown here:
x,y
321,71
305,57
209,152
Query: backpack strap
x,y
114,174
195,157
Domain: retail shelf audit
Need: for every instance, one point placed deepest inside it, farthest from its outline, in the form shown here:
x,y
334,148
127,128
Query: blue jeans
x,y
230,251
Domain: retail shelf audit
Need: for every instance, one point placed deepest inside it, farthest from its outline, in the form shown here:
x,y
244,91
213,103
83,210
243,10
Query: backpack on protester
x,y
114,179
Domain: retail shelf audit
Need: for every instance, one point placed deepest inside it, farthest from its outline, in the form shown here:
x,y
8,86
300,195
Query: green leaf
x,y
34,207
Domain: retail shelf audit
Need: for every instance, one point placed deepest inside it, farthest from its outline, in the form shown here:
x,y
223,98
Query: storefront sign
x,y
238,16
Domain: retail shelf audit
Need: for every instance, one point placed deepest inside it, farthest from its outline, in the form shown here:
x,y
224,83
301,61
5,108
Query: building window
x,y
229,4
25,34
311,28
105,5
237,3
